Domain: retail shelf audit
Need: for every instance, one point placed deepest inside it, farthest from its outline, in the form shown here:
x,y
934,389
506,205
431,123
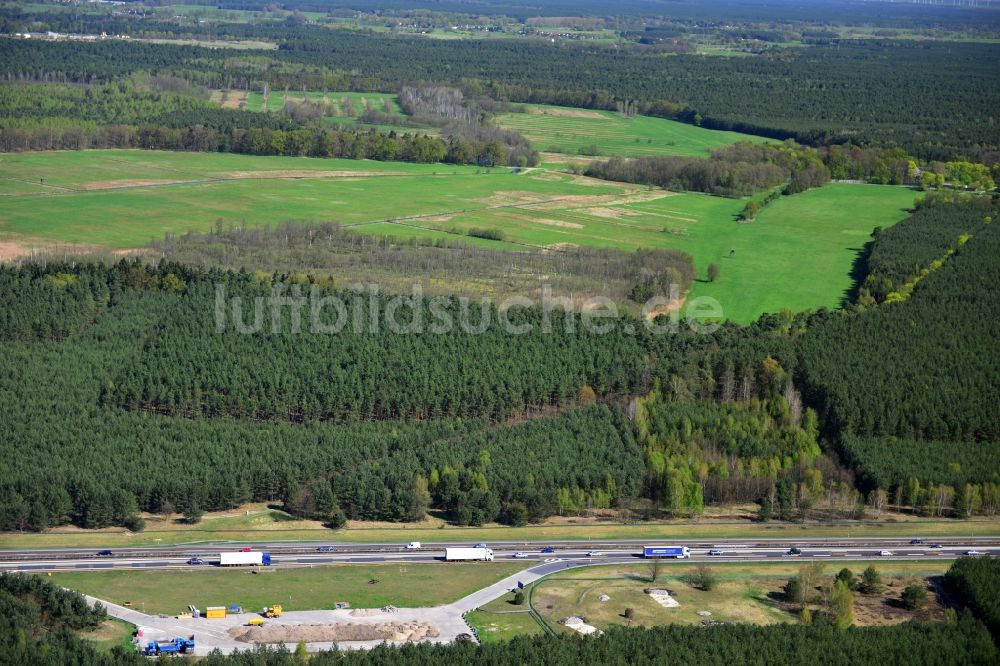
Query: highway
x,y
564,553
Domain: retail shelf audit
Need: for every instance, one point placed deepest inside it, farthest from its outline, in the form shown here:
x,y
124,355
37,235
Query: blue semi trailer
x,y
666,551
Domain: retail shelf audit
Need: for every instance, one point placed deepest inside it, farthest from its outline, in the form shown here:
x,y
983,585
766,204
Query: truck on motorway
x,y
677,552
468,555
253,557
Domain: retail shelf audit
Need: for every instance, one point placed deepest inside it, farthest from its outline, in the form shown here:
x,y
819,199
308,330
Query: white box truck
x,y
244,557
468,555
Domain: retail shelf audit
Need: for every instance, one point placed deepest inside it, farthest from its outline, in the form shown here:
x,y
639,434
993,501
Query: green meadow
x,y
798,253
569,131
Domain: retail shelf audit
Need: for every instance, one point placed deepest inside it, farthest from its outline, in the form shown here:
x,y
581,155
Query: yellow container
x,y
215,612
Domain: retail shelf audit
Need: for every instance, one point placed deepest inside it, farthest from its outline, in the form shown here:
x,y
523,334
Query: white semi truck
x,y
468,555
252,557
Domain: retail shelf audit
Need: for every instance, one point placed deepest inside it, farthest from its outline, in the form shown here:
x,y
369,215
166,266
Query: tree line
x,y
874,373
976,583
738,170
908,250
117,115
923,96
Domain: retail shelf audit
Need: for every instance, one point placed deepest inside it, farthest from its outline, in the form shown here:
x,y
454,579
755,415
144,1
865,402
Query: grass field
x,y
402,585
110,634
258,524
503,624
797,255
747,593
565,130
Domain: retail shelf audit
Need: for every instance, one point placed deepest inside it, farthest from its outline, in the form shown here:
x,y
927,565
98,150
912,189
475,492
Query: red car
x,y
246,549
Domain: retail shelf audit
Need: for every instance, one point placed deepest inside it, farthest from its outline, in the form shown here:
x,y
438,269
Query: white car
x,y
413,545
520,555
885,553
593,553
974,553
715,552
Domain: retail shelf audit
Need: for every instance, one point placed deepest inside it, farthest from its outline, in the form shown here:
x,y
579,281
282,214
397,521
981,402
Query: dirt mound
x,y
336,633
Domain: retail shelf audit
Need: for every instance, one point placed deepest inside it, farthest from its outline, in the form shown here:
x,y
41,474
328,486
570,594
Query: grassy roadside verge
x,y
272,526
410,585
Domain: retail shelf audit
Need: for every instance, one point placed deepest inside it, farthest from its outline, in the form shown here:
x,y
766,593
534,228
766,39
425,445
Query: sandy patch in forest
x,y
346,631
567,113
235,99
12,250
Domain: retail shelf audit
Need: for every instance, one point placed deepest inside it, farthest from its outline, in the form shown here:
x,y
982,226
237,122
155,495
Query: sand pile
x,y
663,598
578,625
335,633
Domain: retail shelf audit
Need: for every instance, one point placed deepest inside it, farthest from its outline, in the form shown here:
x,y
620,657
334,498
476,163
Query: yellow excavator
x,y
272,611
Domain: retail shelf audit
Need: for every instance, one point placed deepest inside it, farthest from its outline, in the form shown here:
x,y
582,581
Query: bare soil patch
x,y
509,198
577,201
347,631
292,173
558,223
234,99
128,182
10,250
568,113
612,213
562,247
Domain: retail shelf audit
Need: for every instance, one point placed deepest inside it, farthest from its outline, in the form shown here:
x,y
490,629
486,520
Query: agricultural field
x,y
798,254
313,588
556,129
744,593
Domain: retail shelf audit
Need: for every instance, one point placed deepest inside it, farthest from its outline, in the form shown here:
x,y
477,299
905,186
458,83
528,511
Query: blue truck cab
x,y
174,646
